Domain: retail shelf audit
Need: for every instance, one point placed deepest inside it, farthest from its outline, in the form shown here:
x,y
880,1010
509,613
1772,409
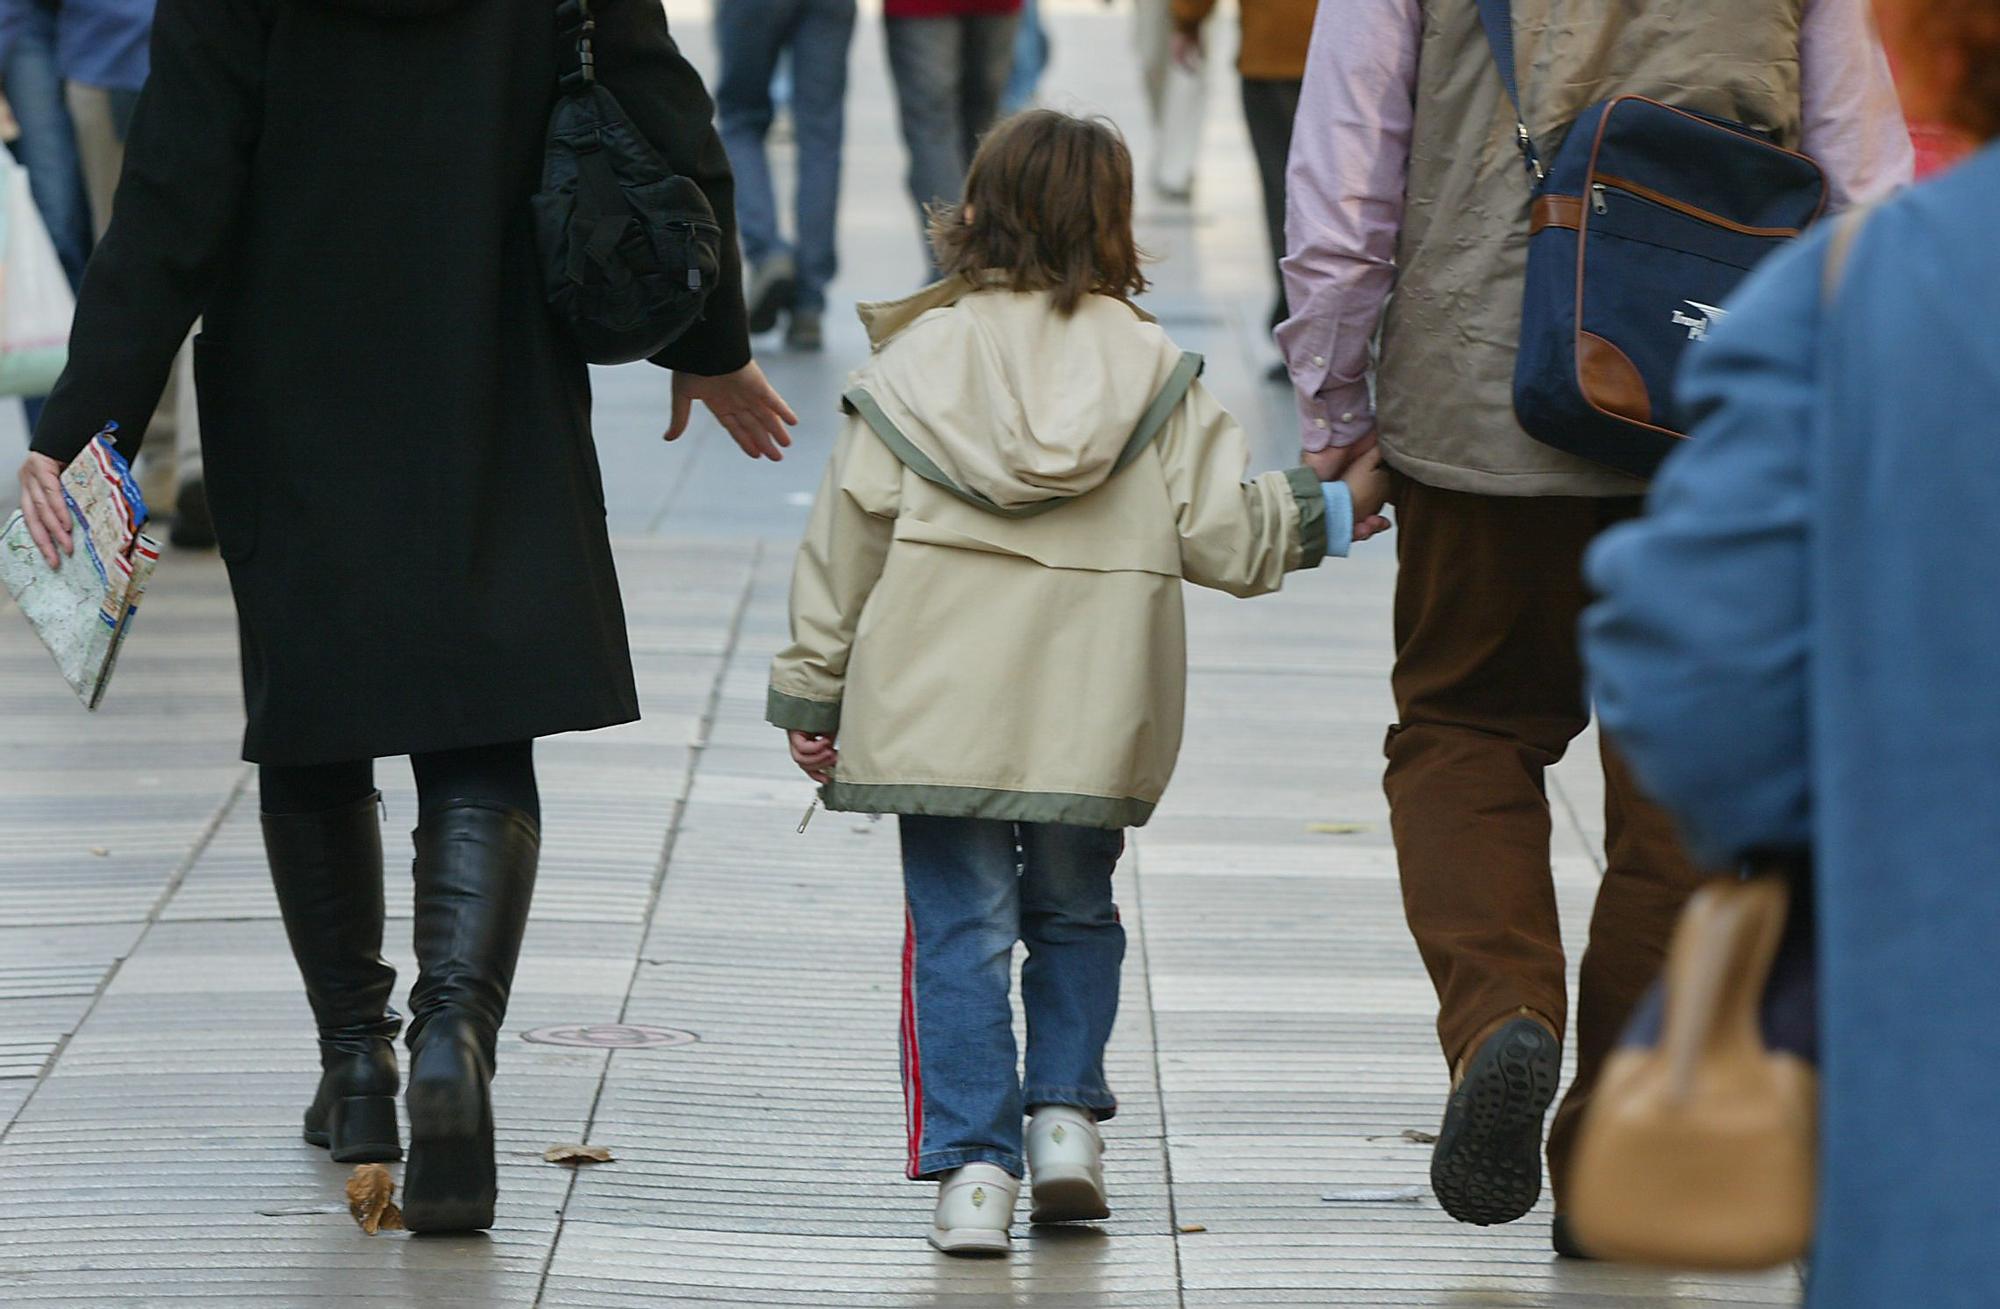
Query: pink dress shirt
x,y
1345,183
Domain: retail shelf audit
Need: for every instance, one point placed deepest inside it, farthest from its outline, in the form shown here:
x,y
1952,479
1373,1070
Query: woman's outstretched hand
x,y
744,402
44,508
814,754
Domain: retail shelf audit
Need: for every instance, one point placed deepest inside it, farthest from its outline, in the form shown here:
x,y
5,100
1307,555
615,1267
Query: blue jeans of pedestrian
x,y
753,35
1031,60
47,147
950,73
973,888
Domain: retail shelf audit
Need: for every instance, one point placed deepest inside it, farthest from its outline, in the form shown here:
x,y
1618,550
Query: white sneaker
x,y
975,1211
1066,1164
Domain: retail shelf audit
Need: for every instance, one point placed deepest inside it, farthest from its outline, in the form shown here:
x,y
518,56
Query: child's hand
x,y
1367,482
814,754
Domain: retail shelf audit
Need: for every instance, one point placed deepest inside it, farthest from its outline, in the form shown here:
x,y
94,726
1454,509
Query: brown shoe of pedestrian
x,y
1487,1166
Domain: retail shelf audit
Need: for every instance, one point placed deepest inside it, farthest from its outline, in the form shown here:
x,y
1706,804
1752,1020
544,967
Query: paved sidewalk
x,y
1274,1050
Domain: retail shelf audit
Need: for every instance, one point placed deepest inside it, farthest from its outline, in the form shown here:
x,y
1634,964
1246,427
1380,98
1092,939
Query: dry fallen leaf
x,y
577,1154
1337,829
370,1193
1192,1228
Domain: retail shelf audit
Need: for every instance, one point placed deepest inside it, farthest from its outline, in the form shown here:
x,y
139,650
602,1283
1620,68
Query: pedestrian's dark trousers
x,y
1269,106
1489,688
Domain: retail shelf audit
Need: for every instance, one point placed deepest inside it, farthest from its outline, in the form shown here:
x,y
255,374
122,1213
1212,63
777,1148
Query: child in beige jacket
x,y
987,617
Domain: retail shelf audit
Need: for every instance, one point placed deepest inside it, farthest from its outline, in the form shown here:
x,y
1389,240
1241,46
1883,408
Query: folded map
x,y
83,609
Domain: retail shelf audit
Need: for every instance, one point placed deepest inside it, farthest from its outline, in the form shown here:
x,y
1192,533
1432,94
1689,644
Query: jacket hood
x,y
1009,401
395,8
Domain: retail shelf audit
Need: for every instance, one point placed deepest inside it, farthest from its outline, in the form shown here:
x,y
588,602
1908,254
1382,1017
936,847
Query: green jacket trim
x,y
975,802
1306,489
1151,423
797,714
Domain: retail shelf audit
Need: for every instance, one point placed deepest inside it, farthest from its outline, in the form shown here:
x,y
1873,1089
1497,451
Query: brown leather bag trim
x,y
1556,211
1610,379
1692,211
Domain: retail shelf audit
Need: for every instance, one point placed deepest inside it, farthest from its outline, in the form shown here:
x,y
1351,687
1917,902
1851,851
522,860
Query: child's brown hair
x,y
1048,207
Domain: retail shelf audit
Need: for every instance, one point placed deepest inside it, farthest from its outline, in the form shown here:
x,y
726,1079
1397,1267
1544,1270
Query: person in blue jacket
x,y
1799,648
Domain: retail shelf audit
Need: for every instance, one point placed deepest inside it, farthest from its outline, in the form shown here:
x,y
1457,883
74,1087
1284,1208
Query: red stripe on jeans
x,y
913,1068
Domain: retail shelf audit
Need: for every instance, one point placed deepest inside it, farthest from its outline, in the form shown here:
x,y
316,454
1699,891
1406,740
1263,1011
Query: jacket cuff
x,y
797,714
1339,518
1311,499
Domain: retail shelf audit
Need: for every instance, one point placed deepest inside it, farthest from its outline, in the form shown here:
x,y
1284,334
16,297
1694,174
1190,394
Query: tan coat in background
x,y
1275,35
987,606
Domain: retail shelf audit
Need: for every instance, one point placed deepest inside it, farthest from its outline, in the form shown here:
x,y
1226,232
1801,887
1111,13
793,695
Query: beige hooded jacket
x,y
987,606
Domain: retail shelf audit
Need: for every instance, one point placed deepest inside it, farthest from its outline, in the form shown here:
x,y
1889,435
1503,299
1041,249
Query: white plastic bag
x,y
36,305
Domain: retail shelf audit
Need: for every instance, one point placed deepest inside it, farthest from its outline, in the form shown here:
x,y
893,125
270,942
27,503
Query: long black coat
x,y
397,434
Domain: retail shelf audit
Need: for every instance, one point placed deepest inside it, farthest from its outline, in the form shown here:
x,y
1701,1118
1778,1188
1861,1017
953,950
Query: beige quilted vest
x,y
1447,369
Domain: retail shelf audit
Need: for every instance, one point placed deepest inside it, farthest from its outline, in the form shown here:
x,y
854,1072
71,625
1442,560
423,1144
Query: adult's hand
x,y
744,402
1330,463
44,508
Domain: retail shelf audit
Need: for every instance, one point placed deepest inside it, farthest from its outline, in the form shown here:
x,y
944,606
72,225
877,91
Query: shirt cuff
x,y
1337,417
1339,518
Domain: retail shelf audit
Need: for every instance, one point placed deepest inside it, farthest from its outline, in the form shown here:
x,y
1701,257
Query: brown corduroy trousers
x,y
1489,687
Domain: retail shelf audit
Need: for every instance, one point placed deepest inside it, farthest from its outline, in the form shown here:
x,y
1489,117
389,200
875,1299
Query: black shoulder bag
x,y
630,249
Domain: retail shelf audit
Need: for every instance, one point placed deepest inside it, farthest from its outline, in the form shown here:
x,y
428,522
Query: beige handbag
x,y
1698,1152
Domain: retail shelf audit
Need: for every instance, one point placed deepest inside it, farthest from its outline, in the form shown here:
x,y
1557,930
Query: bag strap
x,y
1497,17
576,52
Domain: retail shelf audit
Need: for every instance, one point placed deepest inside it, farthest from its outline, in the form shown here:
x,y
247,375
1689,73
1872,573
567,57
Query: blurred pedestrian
x,y
31,73
1176,100
39,48
1405,169
1029,471
402,475
786,278
1272,64
1798,650
101,51
950,60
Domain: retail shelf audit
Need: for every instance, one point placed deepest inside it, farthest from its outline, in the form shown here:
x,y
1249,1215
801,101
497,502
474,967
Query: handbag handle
x,y
1716,976
1497,17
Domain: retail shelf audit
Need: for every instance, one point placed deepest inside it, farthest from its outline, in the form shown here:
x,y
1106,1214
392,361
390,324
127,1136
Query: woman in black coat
x,y
401,473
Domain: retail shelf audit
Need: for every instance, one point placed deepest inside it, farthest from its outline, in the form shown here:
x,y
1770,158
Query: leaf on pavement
x,y
371,1199
577,1154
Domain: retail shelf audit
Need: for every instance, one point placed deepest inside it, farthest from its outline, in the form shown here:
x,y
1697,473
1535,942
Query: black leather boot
x,y
327,868
475,873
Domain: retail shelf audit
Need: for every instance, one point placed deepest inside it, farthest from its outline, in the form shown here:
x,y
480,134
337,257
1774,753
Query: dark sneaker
x,y
805,332
192,529
774,284
1487,1167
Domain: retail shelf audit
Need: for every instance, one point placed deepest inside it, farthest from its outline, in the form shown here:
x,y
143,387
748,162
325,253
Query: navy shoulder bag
x,y
1642,224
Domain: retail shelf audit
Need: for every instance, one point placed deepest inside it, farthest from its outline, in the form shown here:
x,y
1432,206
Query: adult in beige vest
x,y
1404,174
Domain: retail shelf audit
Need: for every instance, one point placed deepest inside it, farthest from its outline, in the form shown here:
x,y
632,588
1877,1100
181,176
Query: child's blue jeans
x,y
973,888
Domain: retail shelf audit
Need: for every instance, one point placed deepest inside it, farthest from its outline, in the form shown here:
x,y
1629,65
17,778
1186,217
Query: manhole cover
x,y
610,1036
